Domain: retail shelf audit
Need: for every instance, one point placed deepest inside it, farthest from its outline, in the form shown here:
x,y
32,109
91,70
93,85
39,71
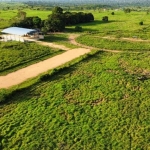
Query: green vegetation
x,y
113,44
98,103
55,22
14,55
78,29
61,39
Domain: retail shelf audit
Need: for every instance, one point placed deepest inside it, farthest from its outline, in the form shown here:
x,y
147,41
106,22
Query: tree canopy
x,y
55,22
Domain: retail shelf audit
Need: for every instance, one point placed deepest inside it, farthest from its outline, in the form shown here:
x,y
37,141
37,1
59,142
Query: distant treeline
x,y
55,22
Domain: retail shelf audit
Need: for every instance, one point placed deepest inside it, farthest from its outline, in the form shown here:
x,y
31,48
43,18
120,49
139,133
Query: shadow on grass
x,y
97,22
54,38
93,23
17,95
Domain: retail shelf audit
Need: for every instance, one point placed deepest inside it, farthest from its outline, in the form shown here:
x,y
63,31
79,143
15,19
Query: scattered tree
x,y
127,10
55,22
105,18
113,13
57,10
141,23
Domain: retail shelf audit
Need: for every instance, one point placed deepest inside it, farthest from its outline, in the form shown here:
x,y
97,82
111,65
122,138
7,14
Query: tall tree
x,y
57,10
55,21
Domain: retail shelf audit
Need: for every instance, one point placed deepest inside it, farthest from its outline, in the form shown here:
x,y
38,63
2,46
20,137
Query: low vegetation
x,y
113,43
98,103
61,39
14,55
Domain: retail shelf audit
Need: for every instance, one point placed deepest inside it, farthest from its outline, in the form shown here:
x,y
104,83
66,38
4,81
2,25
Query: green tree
x,y
36,22
21,15
127,10
105,18
57,10
55,21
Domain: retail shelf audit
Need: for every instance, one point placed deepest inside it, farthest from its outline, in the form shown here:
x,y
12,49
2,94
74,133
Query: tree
x,y
90,17
21,15
57,10
78,28
105,18
36,22
55,22
141,23
127,10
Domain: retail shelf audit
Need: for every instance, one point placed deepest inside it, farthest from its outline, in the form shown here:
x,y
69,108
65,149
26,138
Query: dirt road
x,y
34,70
53,45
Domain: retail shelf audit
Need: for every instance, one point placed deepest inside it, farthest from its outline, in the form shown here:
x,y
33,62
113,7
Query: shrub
x,y
141,23
112,13
78,28
105,18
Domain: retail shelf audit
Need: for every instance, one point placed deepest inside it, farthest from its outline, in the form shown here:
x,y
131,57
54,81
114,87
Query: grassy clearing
x,y
16,55
7,15
95,104
43,14
61,39
113,44
119,25
99,103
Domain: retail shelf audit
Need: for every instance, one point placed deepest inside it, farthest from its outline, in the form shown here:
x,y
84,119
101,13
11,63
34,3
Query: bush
x,y
105,18
112,13
141,23
78,28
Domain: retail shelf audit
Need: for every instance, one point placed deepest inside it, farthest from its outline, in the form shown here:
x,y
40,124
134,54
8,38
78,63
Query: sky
x,y
85,1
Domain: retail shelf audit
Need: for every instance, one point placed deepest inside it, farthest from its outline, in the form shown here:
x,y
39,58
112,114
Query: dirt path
x,y
72,40
53,45
126,39
34,70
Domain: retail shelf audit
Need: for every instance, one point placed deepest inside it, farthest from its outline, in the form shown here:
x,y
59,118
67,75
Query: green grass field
x,y
16,55
98,103
113,44
61,39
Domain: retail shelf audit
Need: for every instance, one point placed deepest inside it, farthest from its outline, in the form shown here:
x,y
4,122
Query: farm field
x,y
16,55
98,103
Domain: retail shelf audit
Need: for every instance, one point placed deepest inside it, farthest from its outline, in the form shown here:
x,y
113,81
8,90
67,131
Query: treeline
x,y
55,22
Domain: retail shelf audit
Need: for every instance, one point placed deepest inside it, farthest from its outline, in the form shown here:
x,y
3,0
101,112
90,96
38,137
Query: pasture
x,y
16,55
100,102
